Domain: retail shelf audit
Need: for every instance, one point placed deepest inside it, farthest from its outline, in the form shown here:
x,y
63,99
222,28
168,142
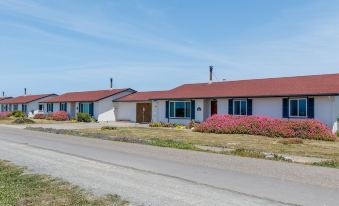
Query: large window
x,y
15,107
180,109
87,108
298,107
63,106
49,107
240,107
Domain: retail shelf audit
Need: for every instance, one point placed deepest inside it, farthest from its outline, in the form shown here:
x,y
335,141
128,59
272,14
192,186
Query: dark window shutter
x,y
80,107
60,107
65,106
91,109
167,109
230,106
249,106
310,108
192,109
285,107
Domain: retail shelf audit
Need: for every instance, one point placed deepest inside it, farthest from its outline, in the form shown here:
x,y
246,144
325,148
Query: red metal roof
x,y
327,84
87,96
25,99
141,96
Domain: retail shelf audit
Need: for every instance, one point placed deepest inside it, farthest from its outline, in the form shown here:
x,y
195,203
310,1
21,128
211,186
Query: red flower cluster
x,y
5,114
40,116
266,126
60,116
56,116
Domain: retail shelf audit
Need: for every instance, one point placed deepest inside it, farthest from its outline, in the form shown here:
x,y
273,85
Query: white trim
x,y
289,108
174,117
239,100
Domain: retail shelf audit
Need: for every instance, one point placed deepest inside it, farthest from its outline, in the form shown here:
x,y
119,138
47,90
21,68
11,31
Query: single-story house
x,y
2,107
29,104
136,107
96,103
301,97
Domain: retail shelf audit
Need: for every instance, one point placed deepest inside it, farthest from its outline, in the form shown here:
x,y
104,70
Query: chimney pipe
x,y
111,80
211,74
3,93
25,91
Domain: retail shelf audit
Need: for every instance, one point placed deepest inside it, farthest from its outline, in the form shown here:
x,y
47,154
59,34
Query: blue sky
x,y
60,45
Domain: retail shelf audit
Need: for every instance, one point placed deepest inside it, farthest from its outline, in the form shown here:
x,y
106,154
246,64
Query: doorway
x,y
214,107
144,113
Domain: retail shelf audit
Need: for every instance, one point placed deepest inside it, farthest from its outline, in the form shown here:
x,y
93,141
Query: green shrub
x,y
163,124
83,117
18,114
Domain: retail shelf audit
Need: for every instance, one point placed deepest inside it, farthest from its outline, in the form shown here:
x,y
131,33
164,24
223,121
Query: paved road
x,y
148,175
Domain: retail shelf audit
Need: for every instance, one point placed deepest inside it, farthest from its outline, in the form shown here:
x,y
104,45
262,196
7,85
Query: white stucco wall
x,y
104,110
126,111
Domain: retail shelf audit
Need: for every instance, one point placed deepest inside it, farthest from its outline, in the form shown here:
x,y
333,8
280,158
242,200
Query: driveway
x,y
149,175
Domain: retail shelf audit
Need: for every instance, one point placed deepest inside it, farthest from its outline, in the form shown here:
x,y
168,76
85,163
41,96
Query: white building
x,y
303,97
29,104
96,103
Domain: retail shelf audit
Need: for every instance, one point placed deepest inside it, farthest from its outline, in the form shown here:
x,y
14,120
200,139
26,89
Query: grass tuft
x,y
20,188
329,163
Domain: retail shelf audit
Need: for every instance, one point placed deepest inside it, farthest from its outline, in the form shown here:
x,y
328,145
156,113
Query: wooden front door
x,y
144,112
214,107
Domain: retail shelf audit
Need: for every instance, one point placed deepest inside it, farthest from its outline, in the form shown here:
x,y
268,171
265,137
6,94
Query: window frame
x,y
42,107
289,107
185,109
24,108
240,100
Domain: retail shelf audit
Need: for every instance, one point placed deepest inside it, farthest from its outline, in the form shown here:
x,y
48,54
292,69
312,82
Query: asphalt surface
x,y
147,175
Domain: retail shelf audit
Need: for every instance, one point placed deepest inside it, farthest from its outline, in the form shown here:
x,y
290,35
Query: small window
x,y
15,107
41,107
180,109
24,108
84,108
49,107
63,106
298,107
240,107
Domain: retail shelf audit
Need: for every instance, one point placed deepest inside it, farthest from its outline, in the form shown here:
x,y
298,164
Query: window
x,y
49,107
84,108
298,107
63,106
15,107
24,108
240,107
180,109
41,107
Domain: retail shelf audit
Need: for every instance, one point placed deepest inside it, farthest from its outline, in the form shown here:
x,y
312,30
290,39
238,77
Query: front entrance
x,y
214,107
144,112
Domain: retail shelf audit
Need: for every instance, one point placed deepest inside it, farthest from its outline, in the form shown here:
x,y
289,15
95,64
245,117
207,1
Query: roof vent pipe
x,y
3,93
111,80
25,91
211,75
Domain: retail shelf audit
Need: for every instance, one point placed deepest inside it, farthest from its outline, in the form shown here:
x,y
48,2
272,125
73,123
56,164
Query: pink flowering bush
x,y
266,126
60,116
39,116
5,114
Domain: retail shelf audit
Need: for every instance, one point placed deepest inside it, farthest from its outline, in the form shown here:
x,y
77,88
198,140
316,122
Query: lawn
x,y
18,187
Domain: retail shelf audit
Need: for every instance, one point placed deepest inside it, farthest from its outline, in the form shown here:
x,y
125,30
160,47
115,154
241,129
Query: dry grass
x,y
10,120
20,188
312,148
